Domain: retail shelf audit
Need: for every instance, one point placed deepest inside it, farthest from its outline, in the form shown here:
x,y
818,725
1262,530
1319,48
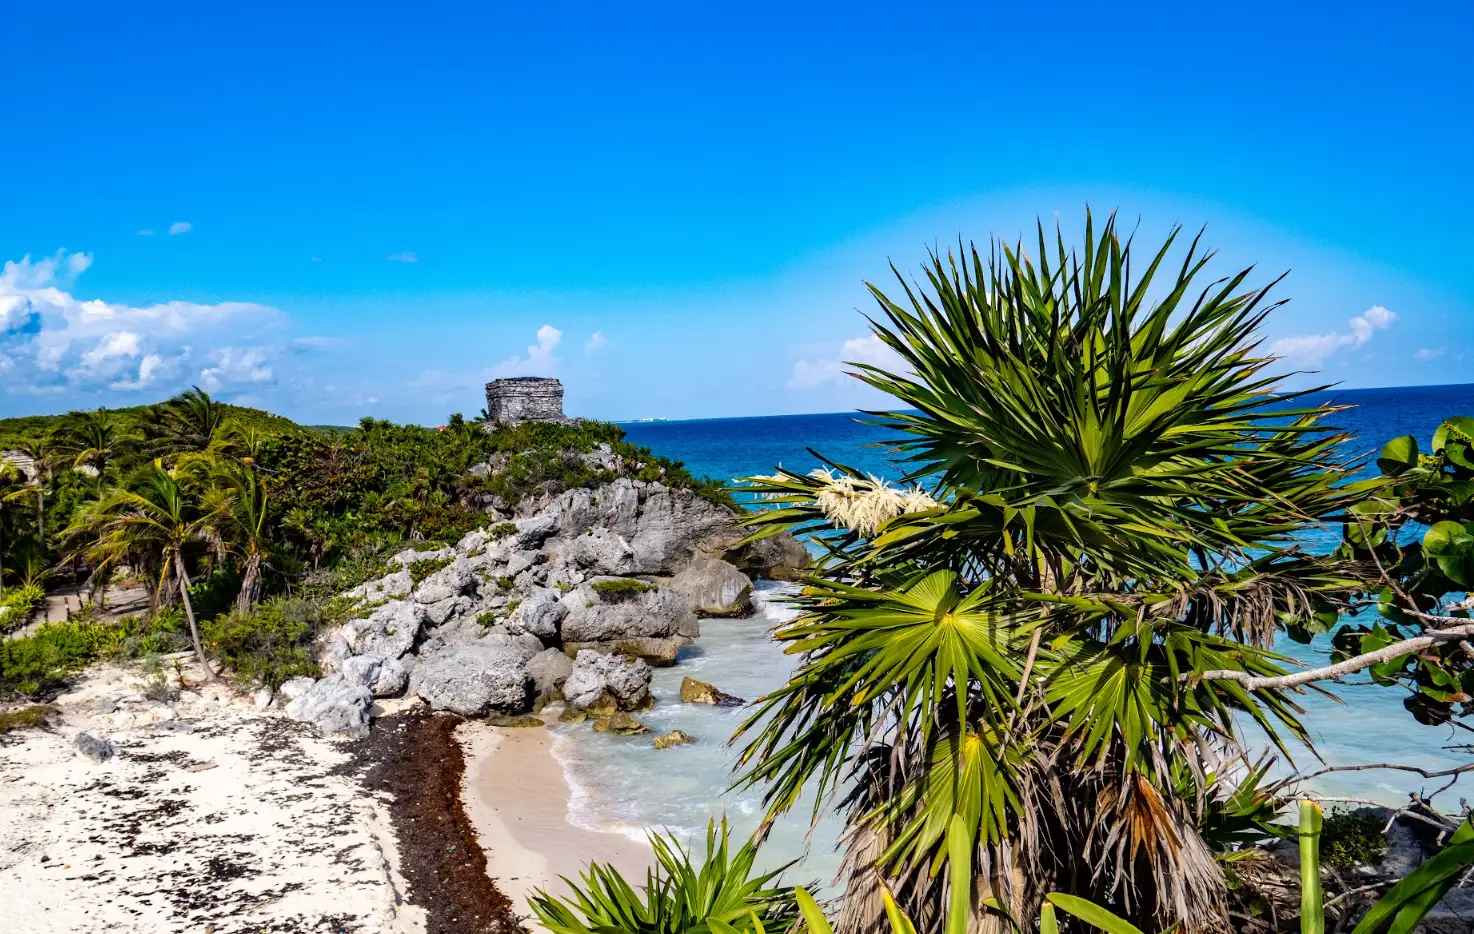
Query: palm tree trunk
x,y
250,591
41,516
194,629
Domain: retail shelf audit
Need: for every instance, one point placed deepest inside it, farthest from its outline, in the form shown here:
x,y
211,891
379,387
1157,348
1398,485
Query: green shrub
x,y
419,570
512,606
269,644
32,717
620,588
487,617
1352,838
17,605
44,661
501,530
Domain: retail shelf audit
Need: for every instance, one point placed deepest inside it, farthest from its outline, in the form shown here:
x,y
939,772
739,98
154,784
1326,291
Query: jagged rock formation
x,y
572,600
524,399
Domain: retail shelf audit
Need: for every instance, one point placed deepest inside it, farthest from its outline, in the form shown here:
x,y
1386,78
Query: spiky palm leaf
x,y
1119,486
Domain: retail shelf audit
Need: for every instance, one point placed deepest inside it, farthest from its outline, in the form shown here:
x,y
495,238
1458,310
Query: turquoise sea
x,y
623,784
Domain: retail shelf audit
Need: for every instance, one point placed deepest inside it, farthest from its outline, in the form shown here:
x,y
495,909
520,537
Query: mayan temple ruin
x,y
524,399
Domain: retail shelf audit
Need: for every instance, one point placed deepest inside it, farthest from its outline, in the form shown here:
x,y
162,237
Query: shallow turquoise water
x,y
624,784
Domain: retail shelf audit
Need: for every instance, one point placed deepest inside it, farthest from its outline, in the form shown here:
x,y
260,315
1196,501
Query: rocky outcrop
x,y
474,679
714,587
699,692
672,739
596,676
549,670
654,623
387,633
621,723
334,705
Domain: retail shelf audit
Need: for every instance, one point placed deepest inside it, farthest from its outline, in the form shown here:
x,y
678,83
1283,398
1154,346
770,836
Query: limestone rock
x,y
98,750
660,651
517,721
410,556
360,670
673,738
594,674
450,581
439,612
715,587
391,679
533,531
550,669
395,585
539,614
387,633
292,688
473,680
699,692
596,617
332,651
333,705
602,551
621,723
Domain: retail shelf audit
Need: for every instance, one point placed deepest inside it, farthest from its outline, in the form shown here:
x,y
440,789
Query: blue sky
x,y
365,209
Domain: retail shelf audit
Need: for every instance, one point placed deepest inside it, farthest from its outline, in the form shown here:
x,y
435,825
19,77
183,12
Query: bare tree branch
x,y
1340,669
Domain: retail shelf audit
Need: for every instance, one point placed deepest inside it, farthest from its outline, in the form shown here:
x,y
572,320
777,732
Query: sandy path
x,y
517,796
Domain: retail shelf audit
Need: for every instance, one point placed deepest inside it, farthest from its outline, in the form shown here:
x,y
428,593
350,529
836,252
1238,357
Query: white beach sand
x,y
517,797
237,825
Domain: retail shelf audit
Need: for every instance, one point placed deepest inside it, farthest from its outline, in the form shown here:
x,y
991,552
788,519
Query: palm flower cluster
x,y
1116,492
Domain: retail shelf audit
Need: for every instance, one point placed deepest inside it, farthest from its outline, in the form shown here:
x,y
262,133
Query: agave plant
x,y
723,895
1110,493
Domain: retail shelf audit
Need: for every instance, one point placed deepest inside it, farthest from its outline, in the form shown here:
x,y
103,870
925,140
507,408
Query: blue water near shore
x,y
623,784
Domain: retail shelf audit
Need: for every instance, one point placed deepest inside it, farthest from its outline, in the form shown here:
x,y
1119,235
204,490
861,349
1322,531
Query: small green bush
x,y
1352,838
167,632
487,617
44,661
269,644
620,588
501,530
512,606
23,718
17,605
419,570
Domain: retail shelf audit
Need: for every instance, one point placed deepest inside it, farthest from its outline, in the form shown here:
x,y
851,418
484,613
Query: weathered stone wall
x,y
524,399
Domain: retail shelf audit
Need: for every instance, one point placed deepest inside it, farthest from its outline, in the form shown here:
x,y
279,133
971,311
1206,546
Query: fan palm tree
x,y
156,514
190,423
242,524
1106,494
91,439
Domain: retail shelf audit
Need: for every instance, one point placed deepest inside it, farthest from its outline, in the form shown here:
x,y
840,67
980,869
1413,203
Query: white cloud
x,y
595,341
539,360
56,342
408,256
180,227
808,374
1429,353
235,367
1313,349
146,232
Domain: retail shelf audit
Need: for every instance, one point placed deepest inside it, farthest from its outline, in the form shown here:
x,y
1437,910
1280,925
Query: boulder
x,y
673,738
437,613
292,688
595,675
387,633
660,651
516,721
360,670
410,556
332,651
520,561
395,585
602,551
539,614
450,581
714,587
621,723
699,692
391,679
777,557
593,616
533,531
98,750
474,679
333,705
549,669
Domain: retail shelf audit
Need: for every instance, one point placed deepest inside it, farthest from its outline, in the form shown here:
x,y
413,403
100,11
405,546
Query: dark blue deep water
x,y
1371,726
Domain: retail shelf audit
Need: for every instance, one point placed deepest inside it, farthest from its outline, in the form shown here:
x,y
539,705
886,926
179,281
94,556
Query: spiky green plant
x,y
721,895
1119,490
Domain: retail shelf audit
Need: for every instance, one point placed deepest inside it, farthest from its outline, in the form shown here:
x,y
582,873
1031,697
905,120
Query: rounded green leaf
x,y
1398,455
1446,538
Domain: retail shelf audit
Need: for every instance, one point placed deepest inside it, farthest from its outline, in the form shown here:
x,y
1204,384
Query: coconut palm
x,y
153,517
92,438
242,525
1104,492
190,423
42,454
12,482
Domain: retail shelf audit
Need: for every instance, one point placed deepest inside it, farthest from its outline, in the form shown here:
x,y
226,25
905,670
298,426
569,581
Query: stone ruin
x,y
524,399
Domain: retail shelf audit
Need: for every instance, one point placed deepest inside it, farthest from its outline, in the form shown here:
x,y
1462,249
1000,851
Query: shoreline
x,y
517,797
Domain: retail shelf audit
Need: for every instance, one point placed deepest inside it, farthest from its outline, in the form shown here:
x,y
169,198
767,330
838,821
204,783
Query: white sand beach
x,y
517,797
